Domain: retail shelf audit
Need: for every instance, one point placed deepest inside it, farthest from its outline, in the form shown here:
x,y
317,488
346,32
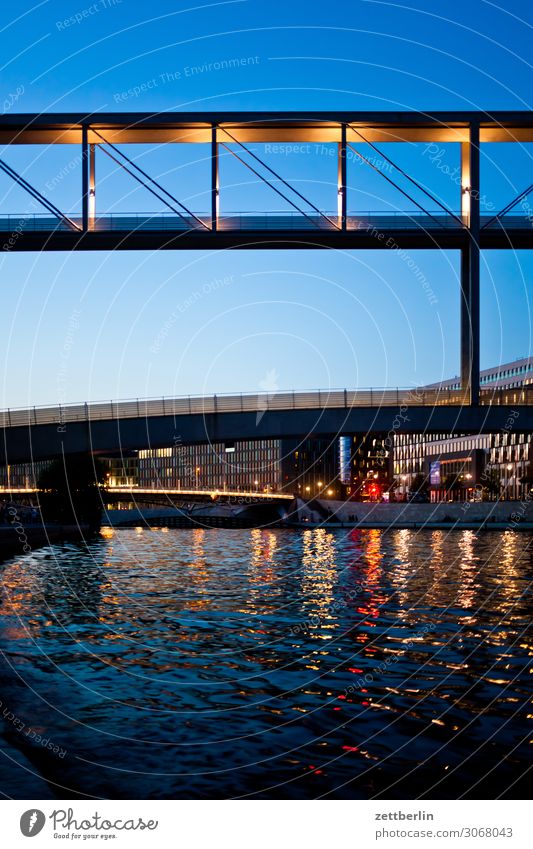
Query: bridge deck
x,y
259,403
150,231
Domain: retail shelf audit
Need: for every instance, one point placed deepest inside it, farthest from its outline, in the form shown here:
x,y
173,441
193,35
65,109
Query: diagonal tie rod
x,y
509,206
272,186
406,175
148,177
7,169
278,177
142,183
388,179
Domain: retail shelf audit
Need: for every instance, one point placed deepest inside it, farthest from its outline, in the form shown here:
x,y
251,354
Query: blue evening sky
x,y
133,324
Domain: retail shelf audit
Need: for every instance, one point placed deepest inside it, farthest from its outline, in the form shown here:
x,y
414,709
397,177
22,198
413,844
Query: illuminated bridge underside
x,y
43,433
255,127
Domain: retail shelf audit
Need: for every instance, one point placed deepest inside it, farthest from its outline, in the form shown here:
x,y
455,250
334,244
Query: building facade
x,y
236,466
22,475
310,468
365,466
121,471
461,467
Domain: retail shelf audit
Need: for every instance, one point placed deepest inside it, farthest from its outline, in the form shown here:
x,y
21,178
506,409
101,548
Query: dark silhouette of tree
x,y
419,485
70,491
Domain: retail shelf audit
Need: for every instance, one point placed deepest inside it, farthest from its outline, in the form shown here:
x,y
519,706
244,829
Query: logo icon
x,y
269,385
32,822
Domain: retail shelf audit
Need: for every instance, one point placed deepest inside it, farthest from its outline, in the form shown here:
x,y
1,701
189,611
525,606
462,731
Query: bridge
x,y
303,224
165,495
429,223
40,433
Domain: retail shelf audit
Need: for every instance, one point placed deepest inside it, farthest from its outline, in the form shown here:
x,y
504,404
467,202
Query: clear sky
x,y
135,324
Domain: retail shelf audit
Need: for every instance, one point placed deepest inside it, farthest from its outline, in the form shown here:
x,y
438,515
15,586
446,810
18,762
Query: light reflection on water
x,y
216,663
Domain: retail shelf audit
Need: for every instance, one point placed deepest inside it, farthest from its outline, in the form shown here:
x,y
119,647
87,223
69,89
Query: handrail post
x,y
345,399
341,180
92,188
214,179
34,416
84,179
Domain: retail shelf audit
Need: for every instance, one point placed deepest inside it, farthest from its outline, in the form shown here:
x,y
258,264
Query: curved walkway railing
x,y
255,402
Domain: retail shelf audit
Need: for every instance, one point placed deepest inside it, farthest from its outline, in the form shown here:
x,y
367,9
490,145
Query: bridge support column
x,y
470,333
341,180
470,264
214,179
84,178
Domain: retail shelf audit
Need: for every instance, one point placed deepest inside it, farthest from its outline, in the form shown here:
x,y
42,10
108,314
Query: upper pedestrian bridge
x,y
204,222
360,137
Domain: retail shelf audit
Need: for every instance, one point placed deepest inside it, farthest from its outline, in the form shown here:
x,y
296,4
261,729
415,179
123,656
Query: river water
x,y
268,664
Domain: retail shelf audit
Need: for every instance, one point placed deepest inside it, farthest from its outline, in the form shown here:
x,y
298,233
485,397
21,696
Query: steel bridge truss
x,y
307,226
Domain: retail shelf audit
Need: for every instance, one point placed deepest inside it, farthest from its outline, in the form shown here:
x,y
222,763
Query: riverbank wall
x,y
498,515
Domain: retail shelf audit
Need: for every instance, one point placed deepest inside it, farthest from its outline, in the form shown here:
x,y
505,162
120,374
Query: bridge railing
x,y
256,402
269,220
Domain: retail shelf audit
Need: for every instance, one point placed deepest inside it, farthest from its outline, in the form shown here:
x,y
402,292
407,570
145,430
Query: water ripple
x,y
271,663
